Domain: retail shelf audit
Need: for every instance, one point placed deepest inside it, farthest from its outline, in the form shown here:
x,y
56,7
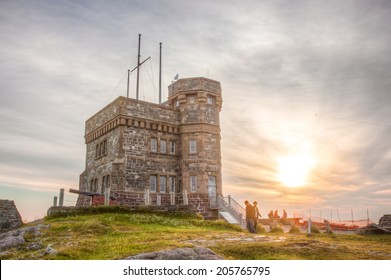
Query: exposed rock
x,y
9,241
15,238
196,253
34,246
49,250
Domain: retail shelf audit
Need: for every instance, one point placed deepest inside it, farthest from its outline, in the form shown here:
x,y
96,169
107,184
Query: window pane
x,y
163,181
163,145
153,145
172,184
193,183
172,147
193,146
153,183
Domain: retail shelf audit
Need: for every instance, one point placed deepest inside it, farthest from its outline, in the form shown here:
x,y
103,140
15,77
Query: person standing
x,y
250,216
256,213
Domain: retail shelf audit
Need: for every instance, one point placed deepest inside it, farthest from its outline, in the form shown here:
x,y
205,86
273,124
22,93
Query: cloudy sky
x,y
306,88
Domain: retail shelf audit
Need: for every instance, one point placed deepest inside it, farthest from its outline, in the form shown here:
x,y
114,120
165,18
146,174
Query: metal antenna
x,y
138,65
127,89
160,74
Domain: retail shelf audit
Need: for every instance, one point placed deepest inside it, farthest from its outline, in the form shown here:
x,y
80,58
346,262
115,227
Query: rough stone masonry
x,y
158,154
9,216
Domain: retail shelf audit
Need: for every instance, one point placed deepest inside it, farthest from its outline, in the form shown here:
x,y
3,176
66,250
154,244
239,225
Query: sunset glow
x,y
294,170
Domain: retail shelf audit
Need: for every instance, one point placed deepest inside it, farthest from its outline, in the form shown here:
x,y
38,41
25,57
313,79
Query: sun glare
x,y
294,170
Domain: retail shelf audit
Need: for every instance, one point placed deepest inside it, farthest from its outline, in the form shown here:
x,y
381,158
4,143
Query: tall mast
x,y
138,65
127,89
160,74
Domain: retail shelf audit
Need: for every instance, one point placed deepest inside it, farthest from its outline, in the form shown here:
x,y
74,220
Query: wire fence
x,y
348,217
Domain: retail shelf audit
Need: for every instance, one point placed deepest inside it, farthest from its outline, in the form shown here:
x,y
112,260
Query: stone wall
x,y
124,131
197,203
385,221
9,216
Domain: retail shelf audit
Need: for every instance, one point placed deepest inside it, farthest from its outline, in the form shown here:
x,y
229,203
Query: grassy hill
x,y
115,233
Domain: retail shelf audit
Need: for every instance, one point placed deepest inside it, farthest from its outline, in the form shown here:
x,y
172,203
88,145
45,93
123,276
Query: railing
x,y
228,204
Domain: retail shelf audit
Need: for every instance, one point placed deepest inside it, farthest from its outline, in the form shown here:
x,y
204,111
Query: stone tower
x,y
198,101
157,154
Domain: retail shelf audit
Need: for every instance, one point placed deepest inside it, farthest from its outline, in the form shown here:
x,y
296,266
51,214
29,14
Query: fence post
x,y
309,226
185,198
61,202
107,196
147,198
172,198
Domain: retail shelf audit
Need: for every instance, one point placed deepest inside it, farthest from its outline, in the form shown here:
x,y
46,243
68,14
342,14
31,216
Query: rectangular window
x,y
172,147
193,183
172,183
193,146
105,147
153,183
96,150
154,145
163,146
211,100
163,183
192,99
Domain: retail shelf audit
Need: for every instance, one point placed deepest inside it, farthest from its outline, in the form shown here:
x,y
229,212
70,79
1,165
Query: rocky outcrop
x,y
15,238
196,253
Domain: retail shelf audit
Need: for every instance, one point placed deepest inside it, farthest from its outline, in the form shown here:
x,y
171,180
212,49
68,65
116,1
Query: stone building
x,y
162,155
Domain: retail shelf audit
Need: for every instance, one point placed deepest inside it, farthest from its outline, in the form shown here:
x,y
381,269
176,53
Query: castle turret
x,y
199,103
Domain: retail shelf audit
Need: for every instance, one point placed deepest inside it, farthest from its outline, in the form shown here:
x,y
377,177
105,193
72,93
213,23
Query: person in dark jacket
x,y
250,216
256,213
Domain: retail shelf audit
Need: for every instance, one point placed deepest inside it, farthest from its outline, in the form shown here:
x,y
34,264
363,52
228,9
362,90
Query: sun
x,y
294,170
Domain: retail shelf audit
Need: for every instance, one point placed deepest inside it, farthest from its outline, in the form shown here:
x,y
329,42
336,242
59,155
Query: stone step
x,y
228,217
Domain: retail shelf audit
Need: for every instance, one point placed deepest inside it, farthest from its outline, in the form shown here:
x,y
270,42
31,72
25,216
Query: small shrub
x,y
276,229
294,230
314,229
260,229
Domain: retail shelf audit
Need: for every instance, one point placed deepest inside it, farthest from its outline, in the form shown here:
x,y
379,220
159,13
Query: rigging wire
x,y
152,79
107,101
115,89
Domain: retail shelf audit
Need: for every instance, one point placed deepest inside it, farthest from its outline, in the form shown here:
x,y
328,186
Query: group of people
x,y
276,216
252,214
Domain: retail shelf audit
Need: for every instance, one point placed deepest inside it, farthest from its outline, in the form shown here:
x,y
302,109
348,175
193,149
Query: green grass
x,y
116,233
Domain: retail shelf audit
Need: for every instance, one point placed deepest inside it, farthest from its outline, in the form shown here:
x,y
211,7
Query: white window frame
x,y
163,146
153,145
152,183
193,183
172,147
163,184
193,146
172,183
